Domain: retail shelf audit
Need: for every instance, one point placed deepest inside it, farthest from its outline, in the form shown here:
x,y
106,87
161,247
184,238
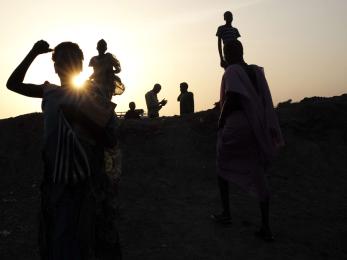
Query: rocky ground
x,y
168,188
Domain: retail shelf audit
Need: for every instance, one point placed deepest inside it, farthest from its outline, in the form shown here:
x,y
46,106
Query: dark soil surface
x,y
168,188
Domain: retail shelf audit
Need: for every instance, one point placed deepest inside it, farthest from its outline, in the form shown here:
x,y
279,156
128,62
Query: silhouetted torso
x,y
132,114
152,104
103,67
186,103
235,103
227,33
104,73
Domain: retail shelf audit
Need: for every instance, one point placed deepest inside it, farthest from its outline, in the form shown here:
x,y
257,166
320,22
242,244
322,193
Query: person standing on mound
x,y
186,99
248,134
153,105
77,214
105,67
225,34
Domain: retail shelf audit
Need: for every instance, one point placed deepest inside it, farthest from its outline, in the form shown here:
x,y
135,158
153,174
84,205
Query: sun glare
x,y
80,79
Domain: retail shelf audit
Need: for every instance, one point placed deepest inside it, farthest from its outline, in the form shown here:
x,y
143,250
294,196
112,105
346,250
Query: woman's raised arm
x,y
15,81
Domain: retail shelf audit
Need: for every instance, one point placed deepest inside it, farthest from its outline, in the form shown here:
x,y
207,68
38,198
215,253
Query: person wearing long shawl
x,y
248,135
77,214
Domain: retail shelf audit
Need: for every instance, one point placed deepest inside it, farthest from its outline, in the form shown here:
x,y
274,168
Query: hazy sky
x,y
302,44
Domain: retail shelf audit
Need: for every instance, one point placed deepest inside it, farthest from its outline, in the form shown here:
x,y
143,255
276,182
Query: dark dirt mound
x,y
168,188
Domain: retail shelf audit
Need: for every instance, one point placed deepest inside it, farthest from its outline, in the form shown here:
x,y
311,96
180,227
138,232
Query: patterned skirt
x,y
79,221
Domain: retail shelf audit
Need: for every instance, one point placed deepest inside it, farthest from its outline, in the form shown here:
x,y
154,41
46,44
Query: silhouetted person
x,y
132,113
225,34
248,135
105,66
186,100
75,192
153,105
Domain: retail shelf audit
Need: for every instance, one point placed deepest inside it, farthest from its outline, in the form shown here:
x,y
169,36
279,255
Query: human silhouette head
x,y
156,88
184,87
101,46
233,52
67,58
132,106
228,17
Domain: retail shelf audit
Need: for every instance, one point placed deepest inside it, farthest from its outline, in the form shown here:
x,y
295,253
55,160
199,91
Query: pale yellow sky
x,y
301,45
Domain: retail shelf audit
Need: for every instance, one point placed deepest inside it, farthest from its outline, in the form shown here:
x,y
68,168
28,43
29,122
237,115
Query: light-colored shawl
x,y
258,106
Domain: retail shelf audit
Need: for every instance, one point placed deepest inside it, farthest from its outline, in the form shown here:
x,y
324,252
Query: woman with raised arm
x,y
248,135
75,193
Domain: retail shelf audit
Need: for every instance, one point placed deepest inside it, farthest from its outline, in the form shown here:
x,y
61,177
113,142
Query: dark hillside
x,y
168,188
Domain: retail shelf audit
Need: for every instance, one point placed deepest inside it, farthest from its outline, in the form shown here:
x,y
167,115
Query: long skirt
x,y
239,158
79,221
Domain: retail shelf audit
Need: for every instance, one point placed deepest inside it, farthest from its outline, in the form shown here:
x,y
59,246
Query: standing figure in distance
x,y
105,67
186,100
248,134
225,34
153,105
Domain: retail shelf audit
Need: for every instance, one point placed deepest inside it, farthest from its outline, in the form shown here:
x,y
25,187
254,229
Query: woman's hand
x,y
41,47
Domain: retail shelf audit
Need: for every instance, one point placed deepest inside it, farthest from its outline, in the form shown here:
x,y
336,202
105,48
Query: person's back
x,y
187,103
186,100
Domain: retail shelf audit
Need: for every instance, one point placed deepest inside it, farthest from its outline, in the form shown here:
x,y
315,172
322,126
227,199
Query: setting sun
x,y
80,79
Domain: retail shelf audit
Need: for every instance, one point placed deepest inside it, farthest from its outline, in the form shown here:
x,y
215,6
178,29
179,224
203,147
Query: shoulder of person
x,y
220,29
110,55
48,87
93,60
256,67
232,72
237,31
233,68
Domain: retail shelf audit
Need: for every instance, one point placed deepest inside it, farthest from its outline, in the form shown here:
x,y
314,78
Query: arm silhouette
x,y
116,64
15,81
220,51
